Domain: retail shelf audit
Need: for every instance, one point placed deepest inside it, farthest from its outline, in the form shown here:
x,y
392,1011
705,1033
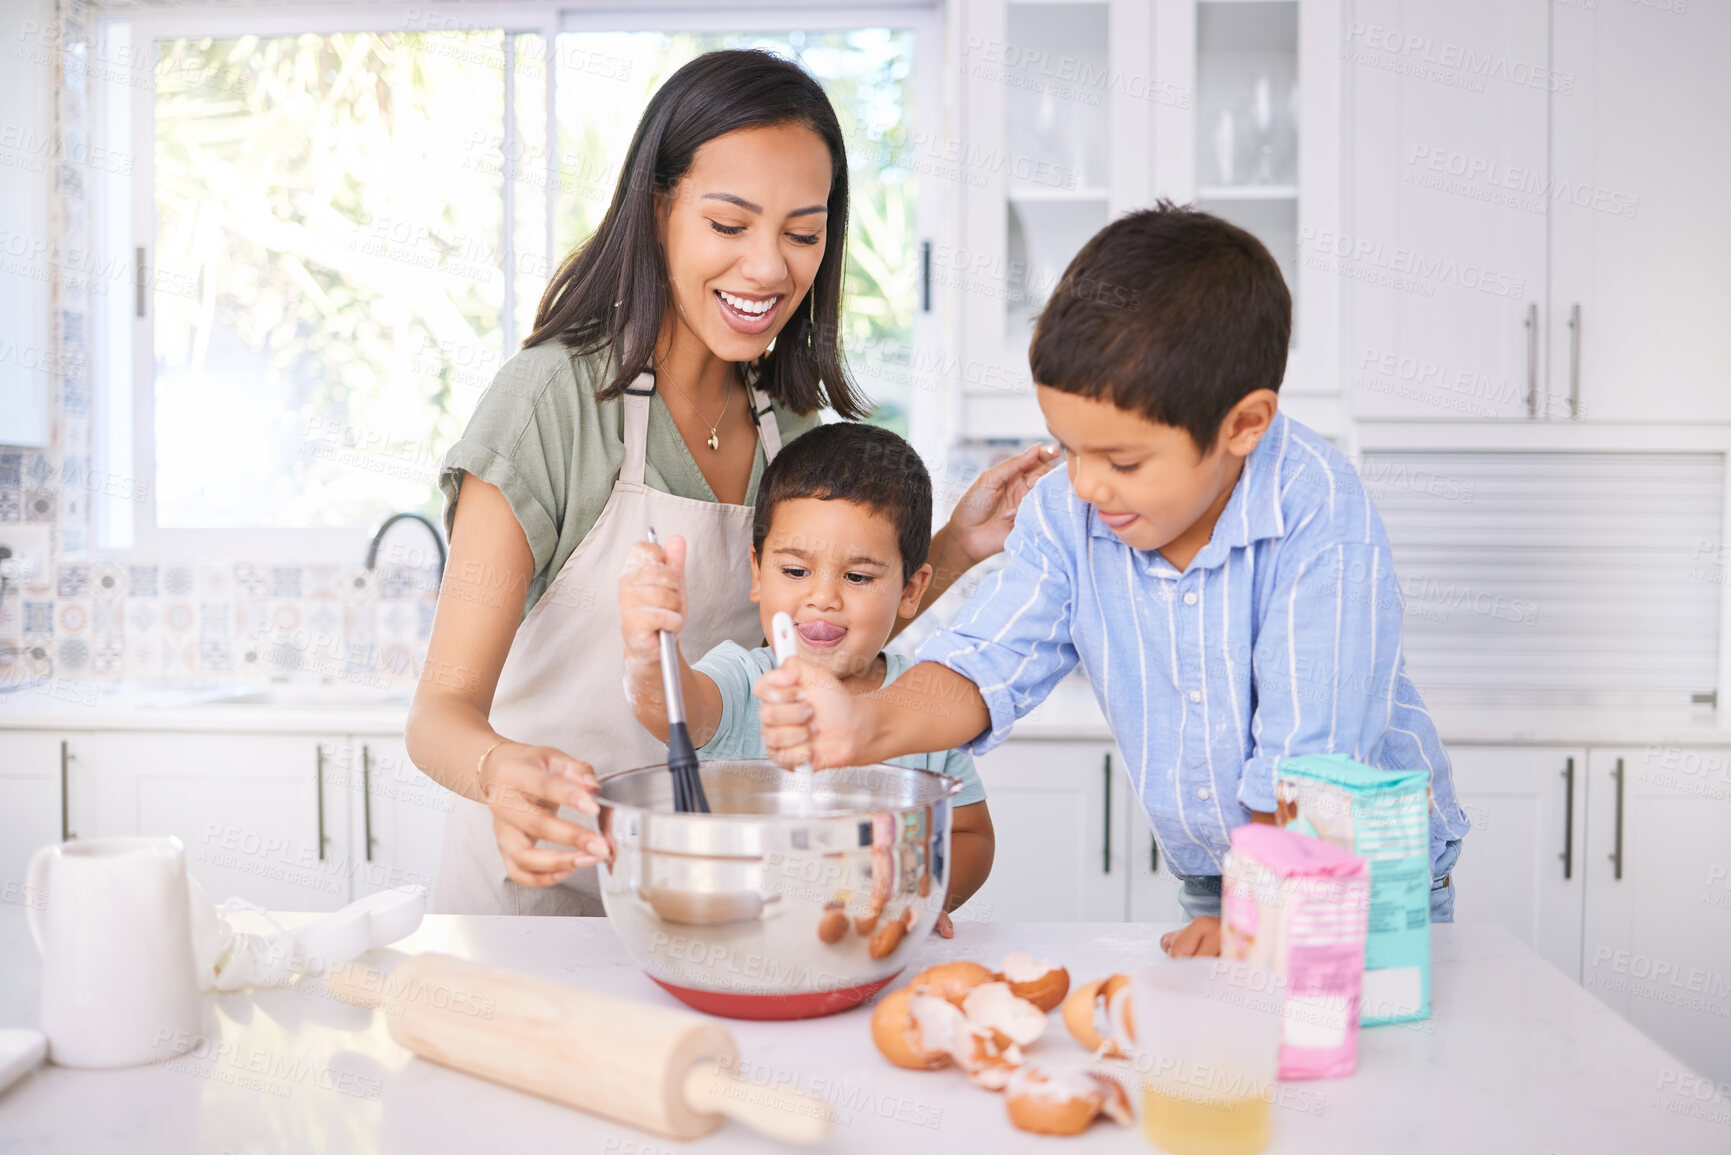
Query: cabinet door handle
x,y
925,276
66,756
319,780
1106,854
1532,359
1617,839
367,799
1568,855
1575,360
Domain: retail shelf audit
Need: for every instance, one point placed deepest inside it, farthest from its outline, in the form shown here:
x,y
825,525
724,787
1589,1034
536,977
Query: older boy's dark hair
x,y
859,463
1170,313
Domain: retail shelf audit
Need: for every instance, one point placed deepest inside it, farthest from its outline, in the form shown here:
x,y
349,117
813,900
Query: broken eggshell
x,y
1063,1100
1082,1010
1011,1018
1042,983
902,1038
960,1011
988,1064
951,980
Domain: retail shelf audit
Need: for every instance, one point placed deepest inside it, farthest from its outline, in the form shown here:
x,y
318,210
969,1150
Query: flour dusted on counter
x,y
1297,907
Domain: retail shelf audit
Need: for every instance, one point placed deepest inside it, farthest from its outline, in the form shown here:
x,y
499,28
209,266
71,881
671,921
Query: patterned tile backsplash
x,y
106,621
204,620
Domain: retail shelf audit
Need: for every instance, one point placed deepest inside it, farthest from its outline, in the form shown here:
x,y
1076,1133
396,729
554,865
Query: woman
x,y
691,335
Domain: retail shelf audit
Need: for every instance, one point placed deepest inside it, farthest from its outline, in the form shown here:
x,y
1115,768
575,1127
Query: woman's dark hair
x,y
621,263
864,464
1169,313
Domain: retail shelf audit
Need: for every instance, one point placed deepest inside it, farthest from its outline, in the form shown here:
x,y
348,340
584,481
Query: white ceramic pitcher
x,y
119,986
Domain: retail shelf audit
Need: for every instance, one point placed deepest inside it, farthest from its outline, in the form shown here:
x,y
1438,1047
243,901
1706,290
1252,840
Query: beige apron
x,y
563,681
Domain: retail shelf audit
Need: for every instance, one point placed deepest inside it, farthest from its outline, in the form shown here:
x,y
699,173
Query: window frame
x,y
125,426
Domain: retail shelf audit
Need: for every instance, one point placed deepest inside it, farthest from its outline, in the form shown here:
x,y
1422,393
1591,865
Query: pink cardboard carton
x,y
1300,909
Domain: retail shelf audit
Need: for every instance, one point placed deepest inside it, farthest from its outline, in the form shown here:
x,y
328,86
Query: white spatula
x,y
787,646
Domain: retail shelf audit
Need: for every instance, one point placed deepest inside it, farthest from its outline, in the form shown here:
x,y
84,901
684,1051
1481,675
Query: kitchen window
x,y
342,233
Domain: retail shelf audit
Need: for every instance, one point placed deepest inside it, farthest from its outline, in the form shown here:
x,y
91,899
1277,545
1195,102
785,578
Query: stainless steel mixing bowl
x,y
783,902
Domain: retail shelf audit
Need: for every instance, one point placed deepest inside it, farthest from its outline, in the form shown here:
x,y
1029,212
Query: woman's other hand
x,y
983,518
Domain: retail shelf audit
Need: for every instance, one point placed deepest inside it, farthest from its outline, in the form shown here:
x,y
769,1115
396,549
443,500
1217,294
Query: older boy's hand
x,y
806,716
1201,939
983,518
651,599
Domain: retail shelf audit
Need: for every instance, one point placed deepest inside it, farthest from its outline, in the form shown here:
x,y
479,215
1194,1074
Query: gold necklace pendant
x,y
714,438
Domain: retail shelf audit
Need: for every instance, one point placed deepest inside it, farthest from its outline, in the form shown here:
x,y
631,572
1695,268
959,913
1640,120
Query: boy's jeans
x,y
1200,894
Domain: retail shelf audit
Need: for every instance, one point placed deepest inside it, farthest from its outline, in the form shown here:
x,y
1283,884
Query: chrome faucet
x,y
379,535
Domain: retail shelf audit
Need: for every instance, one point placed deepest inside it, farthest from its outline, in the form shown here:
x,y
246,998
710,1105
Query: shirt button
x,y
1195,695
1190,599
1203,794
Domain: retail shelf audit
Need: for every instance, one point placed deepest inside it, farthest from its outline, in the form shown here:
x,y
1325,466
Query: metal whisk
x,y
688,797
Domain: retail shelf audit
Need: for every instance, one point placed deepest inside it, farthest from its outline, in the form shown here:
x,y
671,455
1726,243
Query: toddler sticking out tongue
x,y
820,633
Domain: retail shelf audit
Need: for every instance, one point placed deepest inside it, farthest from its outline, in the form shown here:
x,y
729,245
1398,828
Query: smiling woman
x,y
727,124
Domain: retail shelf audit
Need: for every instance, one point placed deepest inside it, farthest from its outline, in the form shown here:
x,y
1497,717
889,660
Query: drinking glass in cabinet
x,y
1247,104
1043,237
1054,66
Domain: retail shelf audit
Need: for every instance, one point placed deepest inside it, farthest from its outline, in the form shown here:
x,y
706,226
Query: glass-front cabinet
x,y
1077,111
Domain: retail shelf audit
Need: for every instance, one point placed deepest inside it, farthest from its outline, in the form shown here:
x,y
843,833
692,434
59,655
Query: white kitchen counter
x,y
67,705
1073,714
1070,714
1516,1059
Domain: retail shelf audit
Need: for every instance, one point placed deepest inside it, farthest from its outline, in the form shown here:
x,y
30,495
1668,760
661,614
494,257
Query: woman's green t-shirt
x,y
540,436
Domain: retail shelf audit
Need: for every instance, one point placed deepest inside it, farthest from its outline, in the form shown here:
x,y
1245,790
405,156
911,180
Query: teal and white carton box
x,y
1384,817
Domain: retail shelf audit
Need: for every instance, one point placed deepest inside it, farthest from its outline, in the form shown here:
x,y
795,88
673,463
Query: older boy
x,y
1215,567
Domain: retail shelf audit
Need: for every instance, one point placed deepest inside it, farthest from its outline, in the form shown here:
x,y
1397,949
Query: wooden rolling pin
x,y
660,1069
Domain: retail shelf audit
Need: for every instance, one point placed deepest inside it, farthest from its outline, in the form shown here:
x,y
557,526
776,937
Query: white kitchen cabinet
x,y
1059,814
1444,266
1153,886
1535,230
1521,867
397,816
1073,113
258,818
32,804
288,821
1639,232
1658,911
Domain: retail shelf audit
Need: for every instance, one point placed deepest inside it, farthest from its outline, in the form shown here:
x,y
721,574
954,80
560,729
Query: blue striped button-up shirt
x,y
1281,638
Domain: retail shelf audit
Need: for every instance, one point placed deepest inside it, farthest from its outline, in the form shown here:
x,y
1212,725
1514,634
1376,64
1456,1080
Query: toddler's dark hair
x,y
865,464
1169,313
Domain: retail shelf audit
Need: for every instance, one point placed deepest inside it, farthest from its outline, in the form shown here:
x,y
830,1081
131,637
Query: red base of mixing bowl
x,y
810,1005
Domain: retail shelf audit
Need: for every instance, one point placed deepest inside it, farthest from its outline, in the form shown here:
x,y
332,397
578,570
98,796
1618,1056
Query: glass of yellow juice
x,y
1203,1036
1188,1124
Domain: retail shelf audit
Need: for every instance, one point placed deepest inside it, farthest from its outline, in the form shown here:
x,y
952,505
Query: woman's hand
x,y
651,599
524,786
986,513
